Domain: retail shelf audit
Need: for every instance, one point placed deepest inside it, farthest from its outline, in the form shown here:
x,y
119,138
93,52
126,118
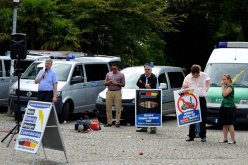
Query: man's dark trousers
x,y
202,134
46,96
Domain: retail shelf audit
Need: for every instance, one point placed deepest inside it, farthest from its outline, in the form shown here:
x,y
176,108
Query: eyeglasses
x,y
114,68
147,69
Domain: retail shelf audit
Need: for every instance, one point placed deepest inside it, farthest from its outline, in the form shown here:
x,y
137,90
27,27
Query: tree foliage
x,y
5,28
167,32
122,27
207,23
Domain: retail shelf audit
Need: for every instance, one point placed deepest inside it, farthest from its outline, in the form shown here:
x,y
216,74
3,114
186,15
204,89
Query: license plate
x,y
113,108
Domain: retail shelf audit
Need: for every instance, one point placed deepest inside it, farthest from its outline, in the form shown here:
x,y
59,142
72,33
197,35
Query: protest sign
x,y
187,106
148,108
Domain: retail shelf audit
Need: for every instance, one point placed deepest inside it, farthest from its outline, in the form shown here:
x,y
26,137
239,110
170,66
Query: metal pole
x,y
12,63
14,19
15,4
16,128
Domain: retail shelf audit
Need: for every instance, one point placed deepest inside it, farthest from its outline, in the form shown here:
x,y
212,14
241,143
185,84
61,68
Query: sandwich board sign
x,y
148,108
187,106
39,127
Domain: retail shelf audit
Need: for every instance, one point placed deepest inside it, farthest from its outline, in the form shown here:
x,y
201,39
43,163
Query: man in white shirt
x,y
199,80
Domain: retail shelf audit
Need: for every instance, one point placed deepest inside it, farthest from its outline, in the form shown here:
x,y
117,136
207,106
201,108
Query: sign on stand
x,y
187,106
148,108
40,126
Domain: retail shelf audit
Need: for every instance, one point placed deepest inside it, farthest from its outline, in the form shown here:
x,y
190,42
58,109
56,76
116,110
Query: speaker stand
x,y
16,128
14,131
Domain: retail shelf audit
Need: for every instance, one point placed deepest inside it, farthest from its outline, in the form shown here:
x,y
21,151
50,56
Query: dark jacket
x,y
152,80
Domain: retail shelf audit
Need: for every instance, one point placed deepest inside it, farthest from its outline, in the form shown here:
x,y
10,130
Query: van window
x,y
78,71
23,66
62,71
32,71
162,79
7,67
131,79
238,72
176,79
96,72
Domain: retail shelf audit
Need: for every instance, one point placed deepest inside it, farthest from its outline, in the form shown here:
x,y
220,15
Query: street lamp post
x,y
15,4
12,63
16,128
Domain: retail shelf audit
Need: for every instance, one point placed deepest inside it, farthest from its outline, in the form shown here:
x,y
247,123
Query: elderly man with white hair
x,y
48,83
148,80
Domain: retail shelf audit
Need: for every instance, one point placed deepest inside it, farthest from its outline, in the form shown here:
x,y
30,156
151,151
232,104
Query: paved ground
x,y
123,146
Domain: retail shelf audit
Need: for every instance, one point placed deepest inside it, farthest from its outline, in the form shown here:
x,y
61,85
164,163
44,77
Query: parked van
x,y
79,82
169,79
228,58
5,73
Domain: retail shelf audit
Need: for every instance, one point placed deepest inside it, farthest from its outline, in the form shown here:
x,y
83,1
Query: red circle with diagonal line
x,y
181,99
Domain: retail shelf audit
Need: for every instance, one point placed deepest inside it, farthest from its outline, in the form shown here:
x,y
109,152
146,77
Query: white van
x,y
79,82
5,73
228,58
169,79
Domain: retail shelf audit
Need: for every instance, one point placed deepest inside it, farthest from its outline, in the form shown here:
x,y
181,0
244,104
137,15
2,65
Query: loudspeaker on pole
x,y
18,46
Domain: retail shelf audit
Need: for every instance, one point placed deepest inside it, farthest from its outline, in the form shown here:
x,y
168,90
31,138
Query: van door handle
x,y
84,85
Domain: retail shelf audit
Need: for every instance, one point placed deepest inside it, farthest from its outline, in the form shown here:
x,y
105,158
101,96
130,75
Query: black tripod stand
x,y
16,128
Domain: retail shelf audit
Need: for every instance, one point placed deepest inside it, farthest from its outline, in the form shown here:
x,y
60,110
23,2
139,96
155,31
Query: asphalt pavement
x,y
125,146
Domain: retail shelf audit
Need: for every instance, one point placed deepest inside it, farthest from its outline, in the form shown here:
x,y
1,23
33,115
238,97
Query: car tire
x,y
65,114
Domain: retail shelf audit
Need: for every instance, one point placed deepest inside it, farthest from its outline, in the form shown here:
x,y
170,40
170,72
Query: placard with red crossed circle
x,y
187,106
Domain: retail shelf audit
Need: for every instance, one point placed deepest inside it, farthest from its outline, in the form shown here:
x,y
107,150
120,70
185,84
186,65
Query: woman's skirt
x,y
227,115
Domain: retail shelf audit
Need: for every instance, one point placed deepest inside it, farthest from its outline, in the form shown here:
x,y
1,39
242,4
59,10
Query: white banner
x,y
33,126
187,106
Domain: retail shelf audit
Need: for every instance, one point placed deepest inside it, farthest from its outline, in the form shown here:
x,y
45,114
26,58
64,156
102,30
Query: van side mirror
x,y
77,79
162,86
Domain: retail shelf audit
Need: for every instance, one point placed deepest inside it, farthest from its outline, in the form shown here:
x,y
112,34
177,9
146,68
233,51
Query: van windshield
x,y
62,70
131,80
238,72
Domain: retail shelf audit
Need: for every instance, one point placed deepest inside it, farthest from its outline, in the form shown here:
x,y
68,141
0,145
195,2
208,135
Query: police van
x,y
9,73
79,82
228,58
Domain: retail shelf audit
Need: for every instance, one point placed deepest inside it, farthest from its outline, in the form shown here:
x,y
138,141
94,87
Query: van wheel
x,y
65,114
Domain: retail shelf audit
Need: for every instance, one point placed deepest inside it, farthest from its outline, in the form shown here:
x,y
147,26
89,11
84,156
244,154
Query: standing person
x,y
148,80
115,80
227,109
48,83
199,80
197,125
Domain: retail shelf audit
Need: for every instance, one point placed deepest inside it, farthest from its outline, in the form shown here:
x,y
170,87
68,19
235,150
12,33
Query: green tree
x,y
33,18
62,35
5,29
207,23
229,22
45,28
132,29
